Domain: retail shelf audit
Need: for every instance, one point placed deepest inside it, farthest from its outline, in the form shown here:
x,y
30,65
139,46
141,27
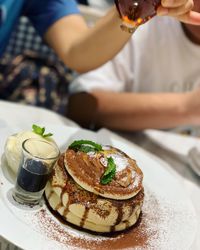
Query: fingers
x,y
176,9
180,9
174,3
191,18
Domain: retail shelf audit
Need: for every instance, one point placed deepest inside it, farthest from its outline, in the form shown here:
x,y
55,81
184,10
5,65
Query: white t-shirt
x,y
158,58
102,5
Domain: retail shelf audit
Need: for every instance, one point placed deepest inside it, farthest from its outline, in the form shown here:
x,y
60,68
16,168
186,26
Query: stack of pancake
x,y
76,192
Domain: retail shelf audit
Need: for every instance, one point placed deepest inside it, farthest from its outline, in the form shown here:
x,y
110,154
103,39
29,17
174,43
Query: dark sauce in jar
x,y
33,176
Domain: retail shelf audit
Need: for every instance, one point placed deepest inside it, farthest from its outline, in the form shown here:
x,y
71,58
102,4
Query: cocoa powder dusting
x,y
138,237
134,237
89,170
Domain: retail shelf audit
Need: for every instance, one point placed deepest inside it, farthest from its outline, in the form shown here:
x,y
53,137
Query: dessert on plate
x,y
13,145
98,188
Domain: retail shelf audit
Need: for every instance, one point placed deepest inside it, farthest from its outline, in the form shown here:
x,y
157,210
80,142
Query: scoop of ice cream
x,y
13,147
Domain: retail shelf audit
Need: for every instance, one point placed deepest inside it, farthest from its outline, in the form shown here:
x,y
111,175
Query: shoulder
x,y
40,6
44,13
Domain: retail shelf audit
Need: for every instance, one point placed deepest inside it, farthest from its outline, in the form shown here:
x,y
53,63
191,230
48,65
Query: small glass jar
x,y
37,160
136,12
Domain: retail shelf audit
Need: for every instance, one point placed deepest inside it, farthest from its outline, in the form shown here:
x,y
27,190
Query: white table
x,y
189,179
22,117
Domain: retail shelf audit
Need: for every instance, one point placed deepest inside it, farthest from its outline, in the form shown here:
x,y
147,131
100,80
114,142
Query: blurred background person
x,y
153,83
64,29
59,22
40,79
102,5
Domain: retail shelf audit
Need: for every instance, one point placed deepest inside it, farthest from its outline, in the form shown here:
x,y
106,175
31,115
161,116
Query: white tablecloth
x,y
177,166
22,117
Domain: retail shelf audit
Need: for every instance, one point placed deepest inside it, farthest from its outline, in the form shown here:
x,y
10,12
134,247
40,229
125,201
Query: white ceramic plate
x,y
179,144
167,212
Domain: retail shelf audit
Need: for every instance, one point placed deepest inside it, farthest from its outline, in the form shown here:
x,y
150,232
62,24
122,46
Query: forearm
x,y
84,49
132,111
99,44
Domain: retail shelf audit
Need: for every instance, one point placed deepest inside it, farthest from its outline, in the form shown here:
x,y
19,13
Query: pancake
x,y
86,209
87,169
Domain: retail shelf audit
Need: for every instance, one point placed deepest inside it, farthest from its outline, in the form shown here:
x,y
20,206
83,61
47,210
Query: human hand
x,y
180,9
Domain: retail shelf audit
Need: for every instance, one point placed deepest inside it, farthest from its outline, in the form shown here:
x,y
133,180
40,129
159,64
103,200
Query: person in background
x,y
153,83
85,2
64,29
101,5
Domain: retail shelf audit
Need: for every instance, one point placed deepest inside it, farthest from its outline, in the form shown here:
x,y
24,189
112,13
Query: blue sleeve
x,y
43,13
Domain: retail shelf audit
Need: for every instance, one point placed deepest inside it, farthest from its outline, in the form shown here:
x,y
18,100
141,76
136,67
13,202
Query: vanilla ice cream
x,y
13,147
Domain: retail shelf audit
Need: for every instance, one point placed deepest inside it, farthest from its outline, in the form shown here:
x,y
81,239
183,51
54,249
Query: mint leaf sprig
x,y
90,146
110,172
40,131
85,146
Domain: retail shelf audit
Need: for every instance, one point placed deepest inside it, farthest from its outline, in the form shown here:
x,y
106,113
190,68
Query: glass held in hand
x,y
136,12
37,161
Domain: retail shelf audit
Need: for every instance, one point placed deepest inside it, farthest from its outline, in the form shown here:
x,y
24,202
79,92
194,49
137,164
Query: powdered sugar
x,y
164,225
103,161
91,154
167,223
120,160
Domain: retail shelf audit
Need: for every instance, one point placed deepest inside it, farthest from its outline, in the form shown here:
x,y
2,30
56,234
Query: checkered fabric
x,y
25,37
24,75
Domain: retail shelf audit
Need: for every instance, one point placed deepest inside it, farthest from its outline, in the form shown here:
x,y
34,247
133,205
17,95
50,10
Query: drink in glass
x,y
38,159
136,12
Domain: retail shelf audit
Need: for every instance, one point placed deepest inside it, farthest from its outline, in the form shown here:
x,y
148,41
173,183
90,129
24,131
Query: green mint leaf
x,y
110,172
85,146
110,166
108,178
86,149
48,135
40,131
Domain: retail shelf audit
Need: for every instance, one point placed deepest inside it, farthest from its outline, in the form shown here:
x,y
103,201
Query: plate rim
x,y
116,137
